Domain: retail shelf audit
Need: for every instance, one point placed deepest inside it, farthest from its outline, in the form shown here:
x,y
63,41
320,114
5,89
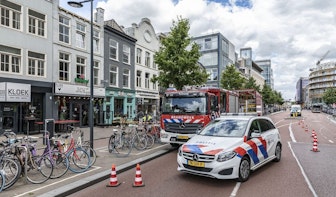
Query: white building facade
x,y
147,92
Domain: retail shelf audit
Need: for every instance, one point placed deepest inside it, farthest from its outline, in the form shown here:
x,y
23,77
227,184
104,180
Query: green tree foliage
x,y
231,79
329,96
270,96
252,84
177,58
267,95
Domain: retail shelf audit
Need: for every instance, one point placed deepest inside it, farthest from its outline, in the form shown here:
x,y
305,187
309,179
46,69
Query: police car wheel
x,y
244,169
277,153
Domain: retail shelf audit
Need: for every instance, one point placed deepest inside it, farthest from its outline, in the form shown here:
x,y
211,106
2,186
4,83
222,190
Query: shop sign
x,y
15,92
69,89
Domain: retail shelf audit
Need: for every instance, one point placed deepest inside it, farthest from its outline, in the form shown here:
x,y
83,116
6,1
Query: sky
x,y
293,34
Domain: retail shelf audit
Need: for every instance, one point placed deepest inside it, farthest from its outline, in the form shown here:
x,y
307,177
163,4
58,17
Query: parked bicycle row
x,y
129,136
20,157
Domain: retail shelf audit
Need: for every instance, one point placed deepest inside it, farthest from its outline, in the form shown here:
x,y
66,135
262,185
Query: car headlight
x,y
226,156
180,151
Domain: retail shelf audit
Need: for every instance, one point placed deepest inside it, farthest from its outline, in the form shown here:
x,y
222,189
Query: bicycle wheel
x,y
60,164
93,155
39,169
79,160
139,142
111,144
121,146
150,140
2,181
11,169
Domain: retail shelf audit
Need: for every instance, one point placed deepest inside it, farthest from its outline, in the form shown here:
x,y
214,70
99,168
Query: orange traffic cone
x,y
113,178
313,133
138,179
315,149
315,139
306,129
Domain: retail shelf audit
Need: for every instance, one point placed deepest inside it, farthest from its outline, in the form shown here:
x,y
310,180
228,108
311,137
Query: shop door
x,y
9,117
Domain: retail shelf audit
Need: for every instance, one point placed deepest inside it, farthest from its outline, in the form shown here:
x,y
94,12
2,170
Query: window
x,y
36,22
147,59
10,59
95,72
210,43
80,35
225,47
96,41
113,49
10,14
126,54
64,29
126,78
138,56
213,74
154,84
146,80
138,82
64,65
113,75
36,64
80,67
265,125
209,59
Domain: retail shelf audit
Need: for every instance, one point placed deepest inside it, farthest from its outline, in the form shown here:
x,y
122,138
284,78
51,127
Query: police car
x,y
230,147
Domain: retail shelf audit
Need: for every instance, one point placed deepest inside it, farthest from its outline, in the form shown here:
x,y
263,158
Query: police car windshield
x,y
180,105
225,128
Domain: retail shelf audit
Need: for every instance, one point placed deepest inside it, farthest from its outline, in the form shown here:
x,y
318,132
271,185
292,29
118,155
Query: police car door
x,y
268,134
258,151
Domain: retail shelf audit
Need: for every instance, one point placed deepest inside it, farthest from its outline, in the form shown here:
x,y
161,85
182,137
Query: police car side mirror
x,y
255,134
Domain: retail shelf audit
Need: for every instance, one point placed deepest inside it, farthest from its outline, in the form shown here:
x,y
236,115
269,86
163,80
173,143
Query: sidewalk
x,y
72,182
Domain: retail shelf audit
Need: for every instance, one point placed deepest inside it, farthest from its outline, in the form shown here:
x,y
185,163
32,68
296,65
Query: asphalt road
x,y
301,172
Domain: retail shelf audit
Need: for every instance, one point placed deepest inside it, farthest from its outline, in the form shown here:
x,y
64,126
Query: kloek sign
x,y
15,92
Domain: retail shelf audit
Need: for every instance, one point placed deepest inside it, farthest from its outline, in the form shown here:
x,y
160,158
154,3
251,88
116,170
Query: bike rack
x,y
26,159
46,121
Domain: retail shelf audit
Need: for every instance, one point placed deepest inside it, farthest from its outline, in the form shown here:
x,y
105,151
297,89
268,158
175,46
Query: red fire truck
x,y
250,101
185,112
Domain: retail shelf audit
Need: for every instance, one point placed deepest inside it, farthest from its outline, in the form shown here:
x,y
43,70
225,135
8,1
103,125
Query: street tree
x,y
251,83
232,79
267,95
329,96
178,57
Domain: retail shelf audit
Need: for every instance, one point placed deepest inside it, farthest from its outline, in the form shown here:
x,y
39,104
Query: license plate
x,y
182,137
196,163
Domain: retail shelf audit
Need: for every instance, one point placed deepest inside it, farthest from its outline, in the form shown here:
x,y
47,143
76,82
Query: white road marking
x,y
302,171
235,190
291,133
31,191
331,141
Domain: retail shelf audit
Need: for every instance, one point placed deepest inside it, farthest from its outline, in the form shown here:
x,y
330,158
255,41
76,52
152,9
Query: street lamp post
x,y
79,5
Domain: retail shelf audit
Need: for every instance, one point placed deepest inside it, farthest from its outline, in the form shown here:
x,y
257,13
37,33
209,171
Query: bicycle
x,y
79,159
85,145
60,161
2,181
38,168
122,141
9,165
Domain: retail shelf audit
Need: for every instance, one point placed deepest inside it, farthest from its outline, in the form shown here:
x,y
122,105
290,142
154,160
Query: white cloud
x,y
293,34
